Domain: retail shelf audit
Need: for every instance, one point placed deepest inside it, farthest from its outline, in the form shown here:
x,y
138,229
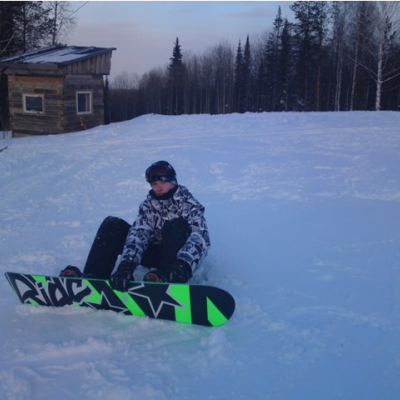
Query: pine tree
x,y
8,28
310,33
239,80
24,26
34,25
176,73
320,10
272,60
285,67
275,66
247,77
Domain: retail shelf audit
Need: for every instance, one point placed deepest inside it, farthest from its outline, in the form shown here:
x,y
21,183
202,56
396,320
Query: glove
x,y
120,279
178,272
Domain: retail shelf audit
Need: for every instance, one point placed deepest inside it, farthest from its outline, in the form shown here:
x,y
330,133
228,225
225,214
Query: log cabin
x,y
56,89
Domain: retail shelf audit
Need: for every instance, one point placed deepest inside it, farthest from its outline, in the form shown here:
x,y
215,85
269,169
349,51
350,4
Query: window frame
x,y
90,94
32,111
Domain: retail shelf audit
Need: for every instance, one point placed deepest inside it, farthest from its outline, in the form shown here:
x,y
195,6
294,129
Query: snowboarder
x,y
169,235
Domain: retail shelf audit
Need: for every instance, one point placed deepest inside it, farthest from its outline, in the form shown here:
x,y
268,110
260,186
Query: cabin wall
x,y
57,83
60,107
92,83
50,122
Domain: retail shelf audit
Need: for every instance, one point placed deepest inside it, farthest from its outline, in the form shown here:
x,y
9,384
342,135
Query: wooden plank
x,y
60,114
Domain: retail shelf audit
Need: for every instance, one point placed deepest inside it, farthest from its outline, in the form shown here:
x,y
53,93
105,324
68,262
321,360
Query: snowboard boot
x,y
72,272
154,276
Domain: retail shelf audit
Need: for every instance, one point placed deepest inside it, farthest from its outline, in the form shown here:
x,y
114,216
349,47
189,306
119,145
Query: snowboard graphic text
x,y
193,304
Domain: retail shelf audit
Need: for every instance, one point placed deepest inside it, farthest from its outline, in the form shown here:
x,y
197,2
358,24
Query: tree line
x,y
334,56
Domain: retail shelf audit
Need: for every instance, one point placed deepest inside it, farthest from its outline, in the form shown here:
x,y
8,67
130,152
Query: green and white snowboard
x,y
190,304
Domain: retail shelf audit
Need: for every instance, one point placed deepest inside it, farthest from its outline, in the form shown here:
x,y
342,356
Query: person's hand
x,y
124,274
178,272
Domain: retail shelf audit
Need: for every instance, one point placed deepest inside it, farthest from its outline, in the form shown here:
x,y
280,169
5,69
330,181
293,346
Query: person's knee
x,y
113,223
177,230
176,226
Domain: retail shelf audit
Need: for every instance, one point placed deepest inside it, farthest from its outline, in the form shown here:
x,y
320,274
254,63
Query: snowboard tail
x,y
186,303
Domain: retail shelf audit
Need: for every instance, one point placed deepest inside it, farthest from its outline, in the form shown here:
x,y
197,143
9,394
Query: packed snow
x,y
304,214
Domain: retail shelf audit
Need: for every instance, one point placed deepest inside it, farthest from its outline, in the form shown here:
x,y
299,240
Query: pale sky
x,y
144,32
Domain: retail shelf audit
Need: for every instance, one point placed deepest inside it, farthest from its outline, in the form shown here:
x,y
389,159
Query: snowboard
x,y
188,303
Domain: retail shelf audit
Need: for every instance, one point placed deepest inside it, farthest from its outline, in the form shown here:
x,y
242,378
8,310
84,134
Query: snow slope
x,y
304,216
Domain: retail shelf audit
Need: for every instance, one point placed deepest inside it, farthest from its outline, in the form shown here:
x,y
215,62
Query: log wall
x,y
58,83
60,113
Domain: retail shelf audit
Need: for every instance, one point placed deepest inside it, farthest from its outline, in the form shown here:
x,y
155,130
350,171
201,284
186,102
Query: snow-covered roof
x,y
57,55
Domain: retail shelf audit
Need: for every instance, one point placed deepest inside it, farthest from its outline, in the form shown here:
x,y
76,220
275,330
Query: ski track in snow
x,y
303,211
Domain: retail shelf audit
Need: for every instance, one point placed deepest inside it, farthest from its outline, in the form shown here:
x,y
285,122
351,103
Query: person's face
x,y
160,187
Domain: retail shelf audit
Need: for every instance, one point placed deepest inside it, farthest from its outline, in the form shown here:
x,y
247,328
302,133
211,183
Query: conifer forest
x,y
335,56
332,56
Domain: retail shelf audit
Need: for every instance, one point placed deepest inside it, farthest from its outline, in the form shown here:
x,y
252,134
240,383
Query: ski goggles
x,y
160,171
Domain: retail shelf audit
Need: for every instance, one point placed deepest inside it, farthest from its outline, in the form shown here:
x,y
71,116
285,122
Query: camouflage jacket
x,y
154,212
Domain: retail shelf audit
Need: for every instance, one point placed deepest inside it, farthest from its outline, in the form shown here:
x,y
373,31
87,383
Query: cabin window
x,y
33,103
83,102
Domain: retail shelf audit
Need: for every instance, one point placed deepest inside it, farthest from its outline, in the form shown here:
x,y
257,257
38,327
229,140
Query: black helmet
x,y
161,171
